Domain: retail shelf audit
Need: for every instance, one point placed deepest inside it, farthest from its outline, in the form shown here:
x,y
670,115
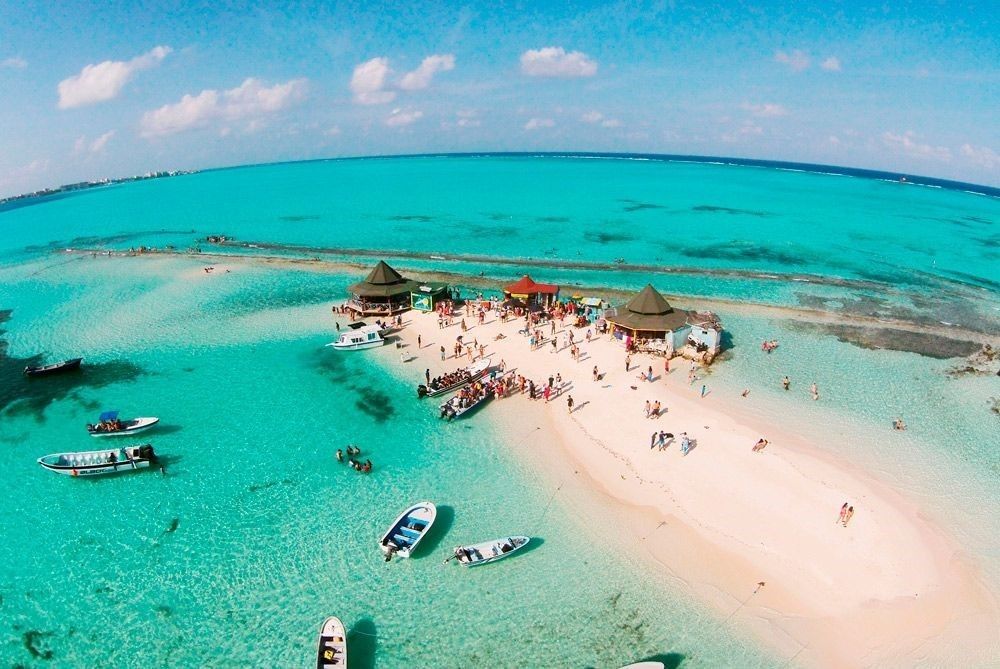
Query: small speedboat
x,y
652,664
55,368
489,551
97,463
109,425
356,339
332,644
456,379
412,525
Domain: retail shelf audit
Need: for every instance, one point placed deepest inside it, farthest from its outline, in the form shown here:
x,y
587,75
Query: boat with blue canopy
x,y
109,425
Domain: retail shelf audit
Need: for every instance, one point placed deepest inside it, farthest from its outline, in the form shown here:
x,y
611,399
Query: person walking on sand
x,y
442,352
760,445
647,409
786,383
746,391
814,391
628,362
547,393
843,514
427,376
850,514
666,365
419,342
655,413
597,374
569,404
649,374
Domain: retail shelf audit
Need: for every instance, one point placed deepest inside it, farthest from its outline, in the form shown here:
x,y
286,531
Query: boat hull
x,y
357,347
490,551
95,463
58,368
141,425
406,533
332,652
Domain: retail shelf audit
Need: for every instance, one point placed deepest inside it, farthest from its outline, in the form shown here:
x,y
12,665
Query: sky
x,y
114,89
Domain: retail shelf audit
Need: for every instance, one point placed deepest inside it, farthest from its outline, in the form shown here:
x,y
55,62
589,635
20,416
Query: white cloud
x,y
831,64
14,63
332,131
401,117
981,155
747,129
422,76
98,144
765,110
592,117
552,61
536,123
796,60
907,144
610,123
250,100
368,82
103,81
467,118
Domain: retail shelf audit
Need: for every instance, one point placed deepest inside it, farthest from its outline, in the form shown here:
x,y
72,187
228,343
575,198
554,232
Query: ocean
x,y
256,533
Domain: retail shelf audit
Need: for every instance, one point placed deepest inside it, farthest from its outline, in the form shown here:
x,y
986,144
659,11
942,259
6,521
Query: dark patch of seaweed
x,y
632,206
374,403
419,218
608,237
34,642
892,339
552,219
714,209
744,251
298,218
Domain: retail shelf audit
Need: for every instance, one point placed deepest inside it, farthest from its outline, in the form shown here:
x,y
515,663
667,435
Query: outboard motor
x,y
421,390
146,451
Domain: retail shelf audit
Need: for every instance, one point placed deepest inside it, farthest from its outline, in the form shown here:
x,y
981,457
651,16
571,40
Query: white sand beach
x,y
887,589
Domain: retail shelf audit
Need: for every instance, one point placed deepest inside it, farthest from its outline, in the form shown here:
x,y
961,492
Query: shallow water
x,y
256,534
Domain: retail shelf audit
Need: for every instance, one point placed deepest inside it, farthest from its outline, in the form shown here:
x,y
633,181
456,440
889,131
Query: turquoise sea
x,y
256,533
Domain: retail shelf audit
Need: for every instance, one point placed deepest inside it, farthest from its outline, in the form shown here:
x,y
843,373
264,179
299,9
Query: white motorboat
x,y
457,379
412,525
332,644
97,463
652,664
109,425
489,551
356,339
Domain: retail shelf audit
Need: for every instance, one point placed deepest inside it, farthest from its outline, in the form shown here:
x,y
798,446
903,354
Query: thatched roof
x,y
648,311
383,281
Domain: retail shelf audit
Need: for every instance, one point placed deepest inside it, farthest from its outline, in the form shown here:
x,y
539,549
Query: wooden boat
x,y
332,644
356,339
458,379
55,368
98,463
412,525
489,551
109,425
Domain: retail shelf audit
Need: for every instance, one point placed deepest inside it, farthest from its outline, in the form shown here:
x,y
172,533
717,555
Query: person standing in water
x,y
786,383
814,391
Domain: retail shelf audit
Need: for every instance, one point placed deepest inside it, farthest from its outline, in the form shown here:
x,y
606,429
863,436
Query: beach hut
x,y
648,317
530,292
426,296
383,292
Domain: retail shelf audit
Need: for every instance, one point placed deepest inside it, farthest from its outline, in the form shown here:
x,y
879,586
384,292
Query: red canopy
x,y
527,286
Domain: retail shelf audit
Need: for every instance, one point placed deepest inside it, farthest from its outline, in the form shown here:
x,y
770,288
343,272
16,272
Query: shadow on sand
x,y
362,642
442,524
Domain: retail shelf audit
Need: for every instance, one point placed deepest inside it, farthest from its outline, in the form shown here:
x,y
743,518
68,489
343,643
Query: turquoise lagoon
x,y
256,533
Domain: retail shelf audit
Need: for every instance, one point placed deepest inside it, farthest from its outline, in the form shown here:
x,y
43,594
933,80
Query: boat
x,y
412,525
356,339
469,399
489,551
457,379
55,368
109,425
651,664
332,644
98,463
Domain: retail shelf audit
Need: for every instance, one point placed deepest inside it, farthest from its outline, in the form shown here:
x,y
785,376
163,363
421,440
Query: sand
x,y
889,589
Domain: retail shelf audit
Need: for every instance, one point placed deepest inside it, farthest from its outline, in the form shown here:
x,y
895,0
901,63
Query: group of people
x,y
769,345
653,409
846,513
661,439
104,426
446,380
358,466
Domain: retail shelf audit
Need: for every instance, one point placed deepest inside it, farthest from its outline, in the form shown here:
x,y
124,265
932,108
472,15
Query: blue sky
x,y
88,90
